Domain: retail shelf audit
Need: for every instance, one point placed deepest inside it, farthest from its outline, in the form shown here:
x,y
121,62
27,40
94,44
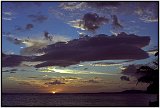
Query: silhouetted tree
x,y
150,75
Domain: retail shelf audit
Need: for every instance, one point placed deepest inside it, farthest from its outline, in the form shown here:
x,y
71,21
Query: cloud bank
x,y
99,47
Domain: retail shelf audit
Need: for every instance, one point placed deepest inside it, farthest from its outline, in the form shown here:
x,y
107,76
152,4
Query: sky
x,y
76,47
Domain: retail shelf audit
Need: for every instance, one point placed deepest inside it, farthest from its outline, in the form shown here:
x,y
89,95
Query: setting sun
x,y
53,92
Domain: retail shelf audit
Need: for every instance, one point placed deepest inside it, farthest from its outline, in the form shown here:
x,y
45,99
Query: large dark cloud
x,y
100,47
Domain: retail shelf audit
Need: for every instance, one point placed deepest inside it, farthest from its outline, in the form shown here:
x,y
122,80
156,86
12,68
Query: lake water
x,y
77,99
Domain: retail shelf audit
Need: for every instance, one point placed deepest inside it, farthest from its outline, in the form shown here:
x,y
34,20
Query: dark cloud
x,y
62,63
13,60
56,82
111,63
92,21
29,26
115,22
124,78
38,18
100,47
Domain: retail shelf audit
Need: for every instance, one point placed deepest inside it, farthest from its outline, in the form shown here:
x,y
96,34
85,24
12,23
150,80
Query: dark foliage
x,y
151,76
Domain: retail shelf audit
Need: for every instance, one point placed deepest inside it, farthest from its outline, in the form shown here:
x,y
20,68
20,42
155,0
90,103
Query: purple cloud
x,y
100,47
13,60
92,21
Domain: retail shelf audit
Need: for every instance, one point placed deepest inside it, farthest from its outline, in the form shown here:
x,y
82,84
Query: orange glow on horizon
x,y
53,92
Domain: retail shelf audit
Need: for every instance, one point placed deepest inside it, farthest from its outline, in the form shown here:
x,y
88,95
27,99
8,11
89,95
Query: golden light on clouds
x,y
70,71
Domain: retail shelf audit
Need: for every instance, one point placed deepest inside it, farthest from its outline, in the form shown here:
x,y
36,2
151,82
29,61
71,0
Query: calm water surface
x,y
77,99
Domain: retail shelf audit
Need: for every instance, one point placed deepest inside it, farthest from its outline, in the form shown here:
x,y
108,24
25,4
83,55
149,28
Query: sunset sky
x,y
76,47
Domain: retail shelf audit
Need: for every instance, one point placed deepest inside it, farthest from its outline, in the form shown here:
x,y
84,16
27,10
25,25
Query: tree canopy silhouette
x,y
150,75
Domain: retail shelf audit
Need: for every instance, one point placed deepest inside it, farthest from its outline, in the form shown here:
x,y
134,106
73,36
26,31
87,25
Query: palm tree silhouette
x,y
150,75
